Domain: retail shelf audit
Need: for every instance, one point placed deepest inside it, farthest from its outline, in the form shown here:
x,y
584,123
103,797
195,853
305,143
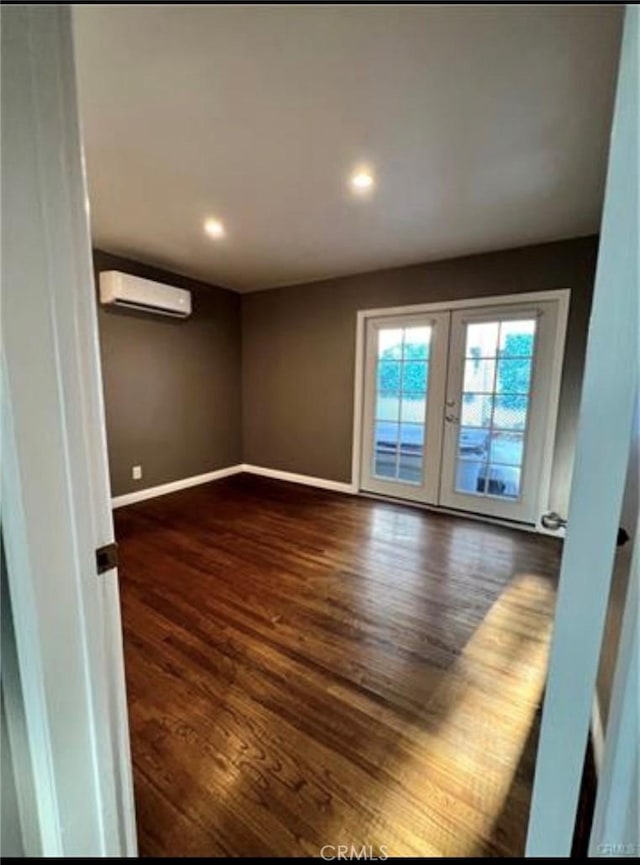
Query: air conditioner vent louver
x,y
133,292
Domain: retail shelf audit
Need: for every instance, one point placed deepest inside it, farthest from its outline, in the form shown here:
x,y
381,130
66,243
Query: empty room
x,y
342,266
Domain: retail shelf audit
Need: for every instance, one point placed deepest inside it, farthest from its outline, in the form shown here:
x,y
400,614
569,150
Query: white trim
x,y
597,734
358,399
450,512
561,295
311,481
467,303
174,486
358,402
349,489
307,480
553,403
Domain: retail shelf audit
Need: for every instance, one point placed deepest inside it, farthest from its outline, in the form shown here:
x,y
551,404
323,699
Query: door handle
x,y
450,403
452,418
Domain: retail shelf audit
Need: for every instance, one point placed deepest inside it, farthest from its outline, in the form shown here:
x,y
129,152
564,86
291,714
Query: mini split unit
x,y
133,292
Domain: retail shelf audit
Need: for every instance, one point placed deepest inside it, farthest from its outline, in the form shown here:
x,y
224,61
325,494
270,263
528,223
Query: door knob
x,y
450,402
451,418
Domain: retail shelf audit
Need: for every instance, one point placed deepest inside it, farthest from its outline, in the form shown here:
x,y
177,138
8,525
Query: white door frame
x,y
605,432
562,295
55,483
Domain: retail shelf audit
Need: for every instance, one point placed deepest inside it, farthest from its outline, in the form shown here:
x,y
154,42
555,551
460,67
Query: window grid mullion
x,y
493,412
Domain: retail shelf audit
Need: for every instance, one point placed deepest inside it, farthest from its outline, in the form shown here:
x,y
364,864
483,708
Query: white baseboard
x,y
174,486
292,477
307,480
597,735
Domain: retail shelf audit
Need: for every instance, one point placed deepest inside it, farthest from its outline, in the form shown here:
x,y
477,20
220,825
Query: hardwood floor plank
x,y
308,668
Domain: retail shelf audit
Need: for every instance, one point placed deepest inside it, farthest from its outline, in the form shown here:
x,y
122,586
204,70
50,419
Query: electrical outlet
x,y
136,473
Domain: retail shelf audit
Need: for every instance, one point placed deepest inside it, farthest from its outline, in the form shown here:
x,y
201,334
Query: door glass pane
x,y
385,464
476,409
514,375
517,338
470,476
473,443
482,339
494,406
479,375
415,376
386,449
411,436
416,343
401,395
414,407
510,412
410,468
390,343
389,376
387,406
502,481
507,447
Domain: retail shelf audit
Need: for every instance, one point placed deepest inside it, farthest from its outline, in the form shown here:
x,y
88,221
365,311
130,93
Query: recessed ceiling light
x,y
214,228
362,181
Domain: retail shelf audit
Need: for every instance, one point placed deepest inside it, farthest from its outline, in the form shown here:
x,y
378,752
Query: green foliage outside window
x,y
415,370
513,377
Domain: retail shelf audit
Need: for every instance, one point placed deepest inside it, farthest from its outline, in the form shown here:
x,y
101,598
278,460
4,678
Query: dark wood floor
x,y
307,669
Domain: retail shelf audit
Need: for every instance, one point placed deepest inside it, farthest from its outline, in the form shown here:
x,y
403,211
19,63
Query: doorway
x,y
459,403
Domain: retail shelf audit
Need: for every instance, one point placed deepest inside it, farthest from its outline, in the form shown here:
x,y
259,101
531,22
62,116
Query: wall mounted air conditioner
x,y
133,292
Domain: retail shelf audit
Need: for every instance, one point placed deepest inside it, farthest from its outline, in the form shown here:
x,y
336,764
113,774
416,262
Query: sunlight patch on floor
x,y
475,729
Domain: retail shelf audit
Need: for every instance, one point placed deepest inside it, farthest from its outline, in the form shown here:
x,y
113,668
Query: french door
x,y
456,407
406,358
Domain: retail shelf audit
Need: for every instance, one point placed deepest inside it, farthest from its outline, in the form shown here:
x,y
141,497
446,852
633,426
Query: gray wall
x,y
298,350
172,388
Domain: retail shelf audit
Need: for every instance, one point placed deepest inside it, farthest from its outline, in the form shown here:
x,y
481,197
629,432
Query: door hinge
x,y
107,557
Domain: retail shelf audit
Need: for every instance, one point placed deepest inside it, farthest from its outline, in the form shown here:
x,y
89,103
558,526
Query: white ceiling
x,y
487,128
